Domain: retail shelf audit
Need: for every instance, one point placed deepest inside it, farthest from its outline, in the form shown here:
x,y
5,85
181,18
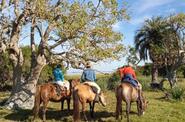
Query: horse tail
x,y
37,101
119,101
76,111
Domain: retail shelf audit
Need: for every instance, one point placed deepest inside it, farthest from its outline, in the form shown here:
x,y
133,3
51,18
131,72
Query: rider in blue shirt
x,y
89,77
58,77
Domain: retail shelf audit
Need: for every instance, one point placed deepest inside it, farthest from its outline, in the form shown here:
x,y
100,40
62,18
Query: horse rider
x,y
59,79
89,77
127,74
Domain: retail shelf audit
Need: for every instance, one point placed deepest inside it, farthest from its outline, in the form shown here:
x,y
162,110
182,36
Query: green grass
x,y
159,110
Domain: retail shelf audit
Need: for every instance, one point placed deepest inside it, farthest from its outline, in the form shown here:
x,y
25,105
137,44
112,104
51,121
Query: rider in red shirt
x,y
127,72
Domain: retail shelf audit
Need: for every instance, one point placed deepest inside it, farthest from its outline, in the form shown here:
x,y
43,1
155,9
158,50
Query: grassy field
x,y
159,110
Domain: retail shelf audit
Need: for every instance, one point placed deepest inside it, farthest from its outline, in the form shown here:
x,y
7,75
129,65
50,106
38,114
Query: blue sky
x,y
139,11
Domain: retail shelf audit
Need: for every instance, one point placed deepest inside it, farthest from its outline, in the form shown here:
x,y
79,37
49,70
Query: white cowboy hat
x,y
88,64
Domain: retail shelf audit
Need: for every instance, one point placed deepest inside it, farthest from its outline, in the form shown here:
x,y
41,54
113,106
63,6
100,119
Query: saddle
x,y
94,89
60,90
131,80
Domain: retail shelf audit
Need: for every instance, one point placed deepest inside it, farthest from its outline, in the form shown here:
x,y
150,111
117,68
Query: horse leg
x,y
68,103
93,109
138,108
62,104
118,107
90,107
83,110
91,104
128,110
121,111
45,103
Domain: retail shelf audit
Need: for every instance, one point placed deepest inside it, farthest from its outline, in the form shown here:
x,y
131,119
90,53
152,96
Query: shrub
x,y
144,82
177,93
113,81
102,81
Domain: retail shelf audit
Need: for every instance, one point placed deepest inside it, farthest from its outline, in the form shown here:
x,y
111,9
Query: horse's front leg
x,y
45,103
138,108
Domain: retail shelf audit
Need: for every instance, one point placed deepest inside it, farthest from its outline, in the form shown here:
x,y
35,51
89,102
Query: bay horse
x,y
82,94
128,93
47,92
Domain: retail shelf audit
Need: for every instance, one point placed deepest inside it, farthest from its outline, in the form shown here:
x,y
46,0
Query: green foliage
x,y
113,81
102,81
144,70
46,74
145,82
5,71
132,56
177,93
27,60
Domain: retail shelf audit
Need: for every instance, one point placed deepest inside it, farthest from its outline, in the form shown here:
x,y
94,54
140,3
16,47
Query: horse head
x,y
144,105
74,82
102,99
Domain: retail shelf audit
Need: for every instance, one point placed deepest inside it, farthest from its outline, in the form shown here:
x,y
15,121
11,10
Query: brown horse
x,y
126,92
47,92
83,94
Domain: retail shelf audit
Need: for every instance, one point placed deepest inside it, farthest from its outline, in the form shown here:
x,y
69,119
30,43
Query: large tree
x,y
71,32
148,41
164,43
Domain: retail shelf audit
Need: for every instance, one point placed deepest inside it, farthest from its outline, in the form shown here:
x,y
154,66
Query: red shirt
x,y
127,70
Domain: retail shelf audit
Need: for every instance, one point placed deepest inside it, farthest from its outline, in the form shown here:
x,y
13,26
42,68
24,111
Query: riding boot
x,y
97,98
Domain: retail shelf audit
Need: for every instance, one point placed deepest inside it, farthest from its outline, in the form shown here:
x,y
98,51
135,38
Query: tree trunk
x,y
16,57
24,96
171,75
154,73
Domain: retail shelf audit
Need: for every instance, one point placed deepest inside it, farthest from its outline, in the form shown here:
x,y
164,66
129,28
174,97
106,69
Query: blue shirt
x,y
58,75
88,75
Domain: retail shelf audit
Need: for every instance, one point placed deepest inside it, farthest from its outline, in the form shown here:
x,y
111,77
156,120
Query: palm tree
x,y
148,41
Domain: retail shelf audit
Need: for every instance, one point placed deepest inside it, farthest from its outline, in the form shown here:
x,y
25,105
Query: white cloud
x,y
145,5
139,20
117,26
170,11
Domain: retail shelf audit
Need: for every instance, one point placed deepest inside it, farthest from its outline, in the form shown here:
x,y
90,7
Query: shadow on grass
x,y
56,115
20,115
26,115
98,115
